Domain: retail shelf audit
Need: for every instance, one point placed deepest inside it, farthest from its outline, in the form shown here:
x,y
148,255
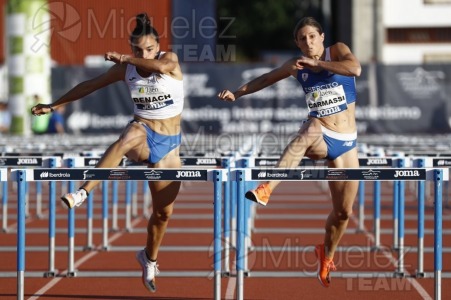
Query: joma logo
x,y
407,173
27,161
181,174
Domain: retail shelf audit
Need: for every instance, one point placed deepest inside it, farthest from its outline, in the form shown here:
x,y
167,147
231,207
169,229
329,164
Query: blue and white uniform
x,y
158,96
326,94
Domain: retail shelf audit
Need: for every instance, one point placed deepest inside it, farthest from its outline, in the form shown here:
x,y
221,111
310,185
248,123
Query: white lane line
x,y
78,263
230,290
423,293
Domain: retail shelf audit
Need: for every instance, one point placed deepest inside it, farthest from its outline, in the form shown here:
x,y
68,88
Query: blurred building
x,y
82,31
402,31
85,30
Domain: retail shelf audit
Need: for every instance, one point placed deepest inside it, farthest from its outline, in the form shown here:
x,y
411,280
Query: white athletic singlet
x,y
158,96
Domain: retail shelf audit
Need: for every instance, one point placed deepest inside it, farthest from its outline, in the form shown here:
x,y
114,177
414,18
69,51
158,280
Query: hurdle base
x,y
50,274
71,274
420,275
235,274
88,248
376,249
398,274
226,274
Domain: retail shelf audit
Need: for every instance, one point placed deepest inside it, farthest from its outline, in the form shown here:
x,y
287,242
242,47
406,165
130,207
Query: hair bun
x,y
142,20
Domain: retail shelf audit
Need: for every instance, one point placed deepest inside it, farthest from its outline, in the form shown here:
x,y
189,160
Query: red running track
x,y
294,219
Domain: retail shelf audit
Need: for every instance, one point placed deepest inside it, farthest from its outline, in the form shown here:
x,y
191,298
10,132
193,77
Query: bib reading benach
x,y
158,96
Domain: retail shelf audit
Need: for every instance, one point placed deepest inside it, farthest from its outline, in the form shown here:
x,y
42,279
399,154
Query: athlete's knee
x,y
343,214
163,215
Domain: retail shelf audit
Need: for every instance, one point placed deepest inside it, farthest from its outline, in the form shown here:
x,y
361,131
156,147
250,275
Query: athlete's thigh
x,y
312,137
164,192
344,192
134,137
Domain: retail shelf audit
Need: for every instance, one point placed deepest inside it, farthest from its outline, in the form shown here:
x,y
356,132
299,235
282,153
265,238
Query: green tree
x,y
256,26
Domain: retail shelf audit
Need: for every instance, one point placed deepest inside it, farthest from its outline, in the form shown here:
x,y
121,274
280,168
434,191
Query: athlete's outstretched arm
x,y
259,83
115,73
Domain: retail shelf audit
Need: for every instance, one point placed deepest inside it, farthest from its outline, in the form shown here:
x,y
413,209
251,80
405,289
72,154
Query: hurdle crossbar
x,y
244,175
217,176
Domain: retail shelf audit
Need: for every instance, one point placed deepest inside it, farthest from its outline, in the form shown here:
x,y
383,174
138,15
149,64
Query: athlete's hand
x,y
41,109
306,62
115,57
226,95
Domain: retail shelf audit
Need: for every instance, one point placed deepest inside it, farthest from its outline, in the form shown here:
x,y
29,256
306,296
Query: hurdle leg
x,y
421,203
105,214
227,246
38,199
114,225
377,215
401,198
438,247
217,181
5,206
395,215
361,224
241,235
71,236
128,203
134,199
21,201
52,225
89,221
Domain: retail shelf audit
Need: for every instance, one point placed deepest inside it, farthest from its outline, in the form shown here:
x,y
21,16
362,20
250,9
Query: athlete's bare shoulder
x,y
170,56
339,50
171,61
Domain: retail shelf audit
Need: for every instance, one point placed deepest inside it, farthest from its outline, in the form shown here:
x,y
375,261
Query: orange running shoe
x,y
325,265
260,194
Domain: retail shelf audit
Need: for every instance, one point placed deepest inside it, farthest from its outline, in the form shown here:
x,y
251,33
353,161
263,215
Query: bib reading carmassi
x,y
322,103
326,93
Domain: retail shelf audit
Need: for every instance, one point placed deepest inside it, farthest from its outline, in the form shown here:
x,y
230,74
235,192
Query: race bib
x,y
150,97
326,102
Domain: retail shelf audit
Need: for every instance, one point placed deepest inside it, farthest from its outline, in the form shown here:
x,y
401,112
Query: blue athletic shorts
x,y
160,145
338,143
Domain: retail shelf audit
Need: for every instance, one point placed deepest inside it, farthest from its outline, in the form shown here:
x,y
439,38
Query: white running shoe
x,y
74,199
150,270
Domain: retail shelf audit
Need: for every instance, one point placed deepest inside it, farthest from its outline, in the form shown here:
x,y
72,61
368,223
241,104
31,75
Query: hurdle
x,y
18,161
242,176
4,182
217,176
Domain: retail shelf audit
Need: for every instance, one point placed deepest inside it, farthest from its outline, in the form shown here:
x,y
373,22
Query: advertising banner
x,y
401,100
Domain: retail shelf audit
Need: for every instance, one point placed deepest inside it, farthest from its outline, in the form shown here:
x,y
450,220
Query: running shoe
x,y
260,194
150,270
325,265
74,199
